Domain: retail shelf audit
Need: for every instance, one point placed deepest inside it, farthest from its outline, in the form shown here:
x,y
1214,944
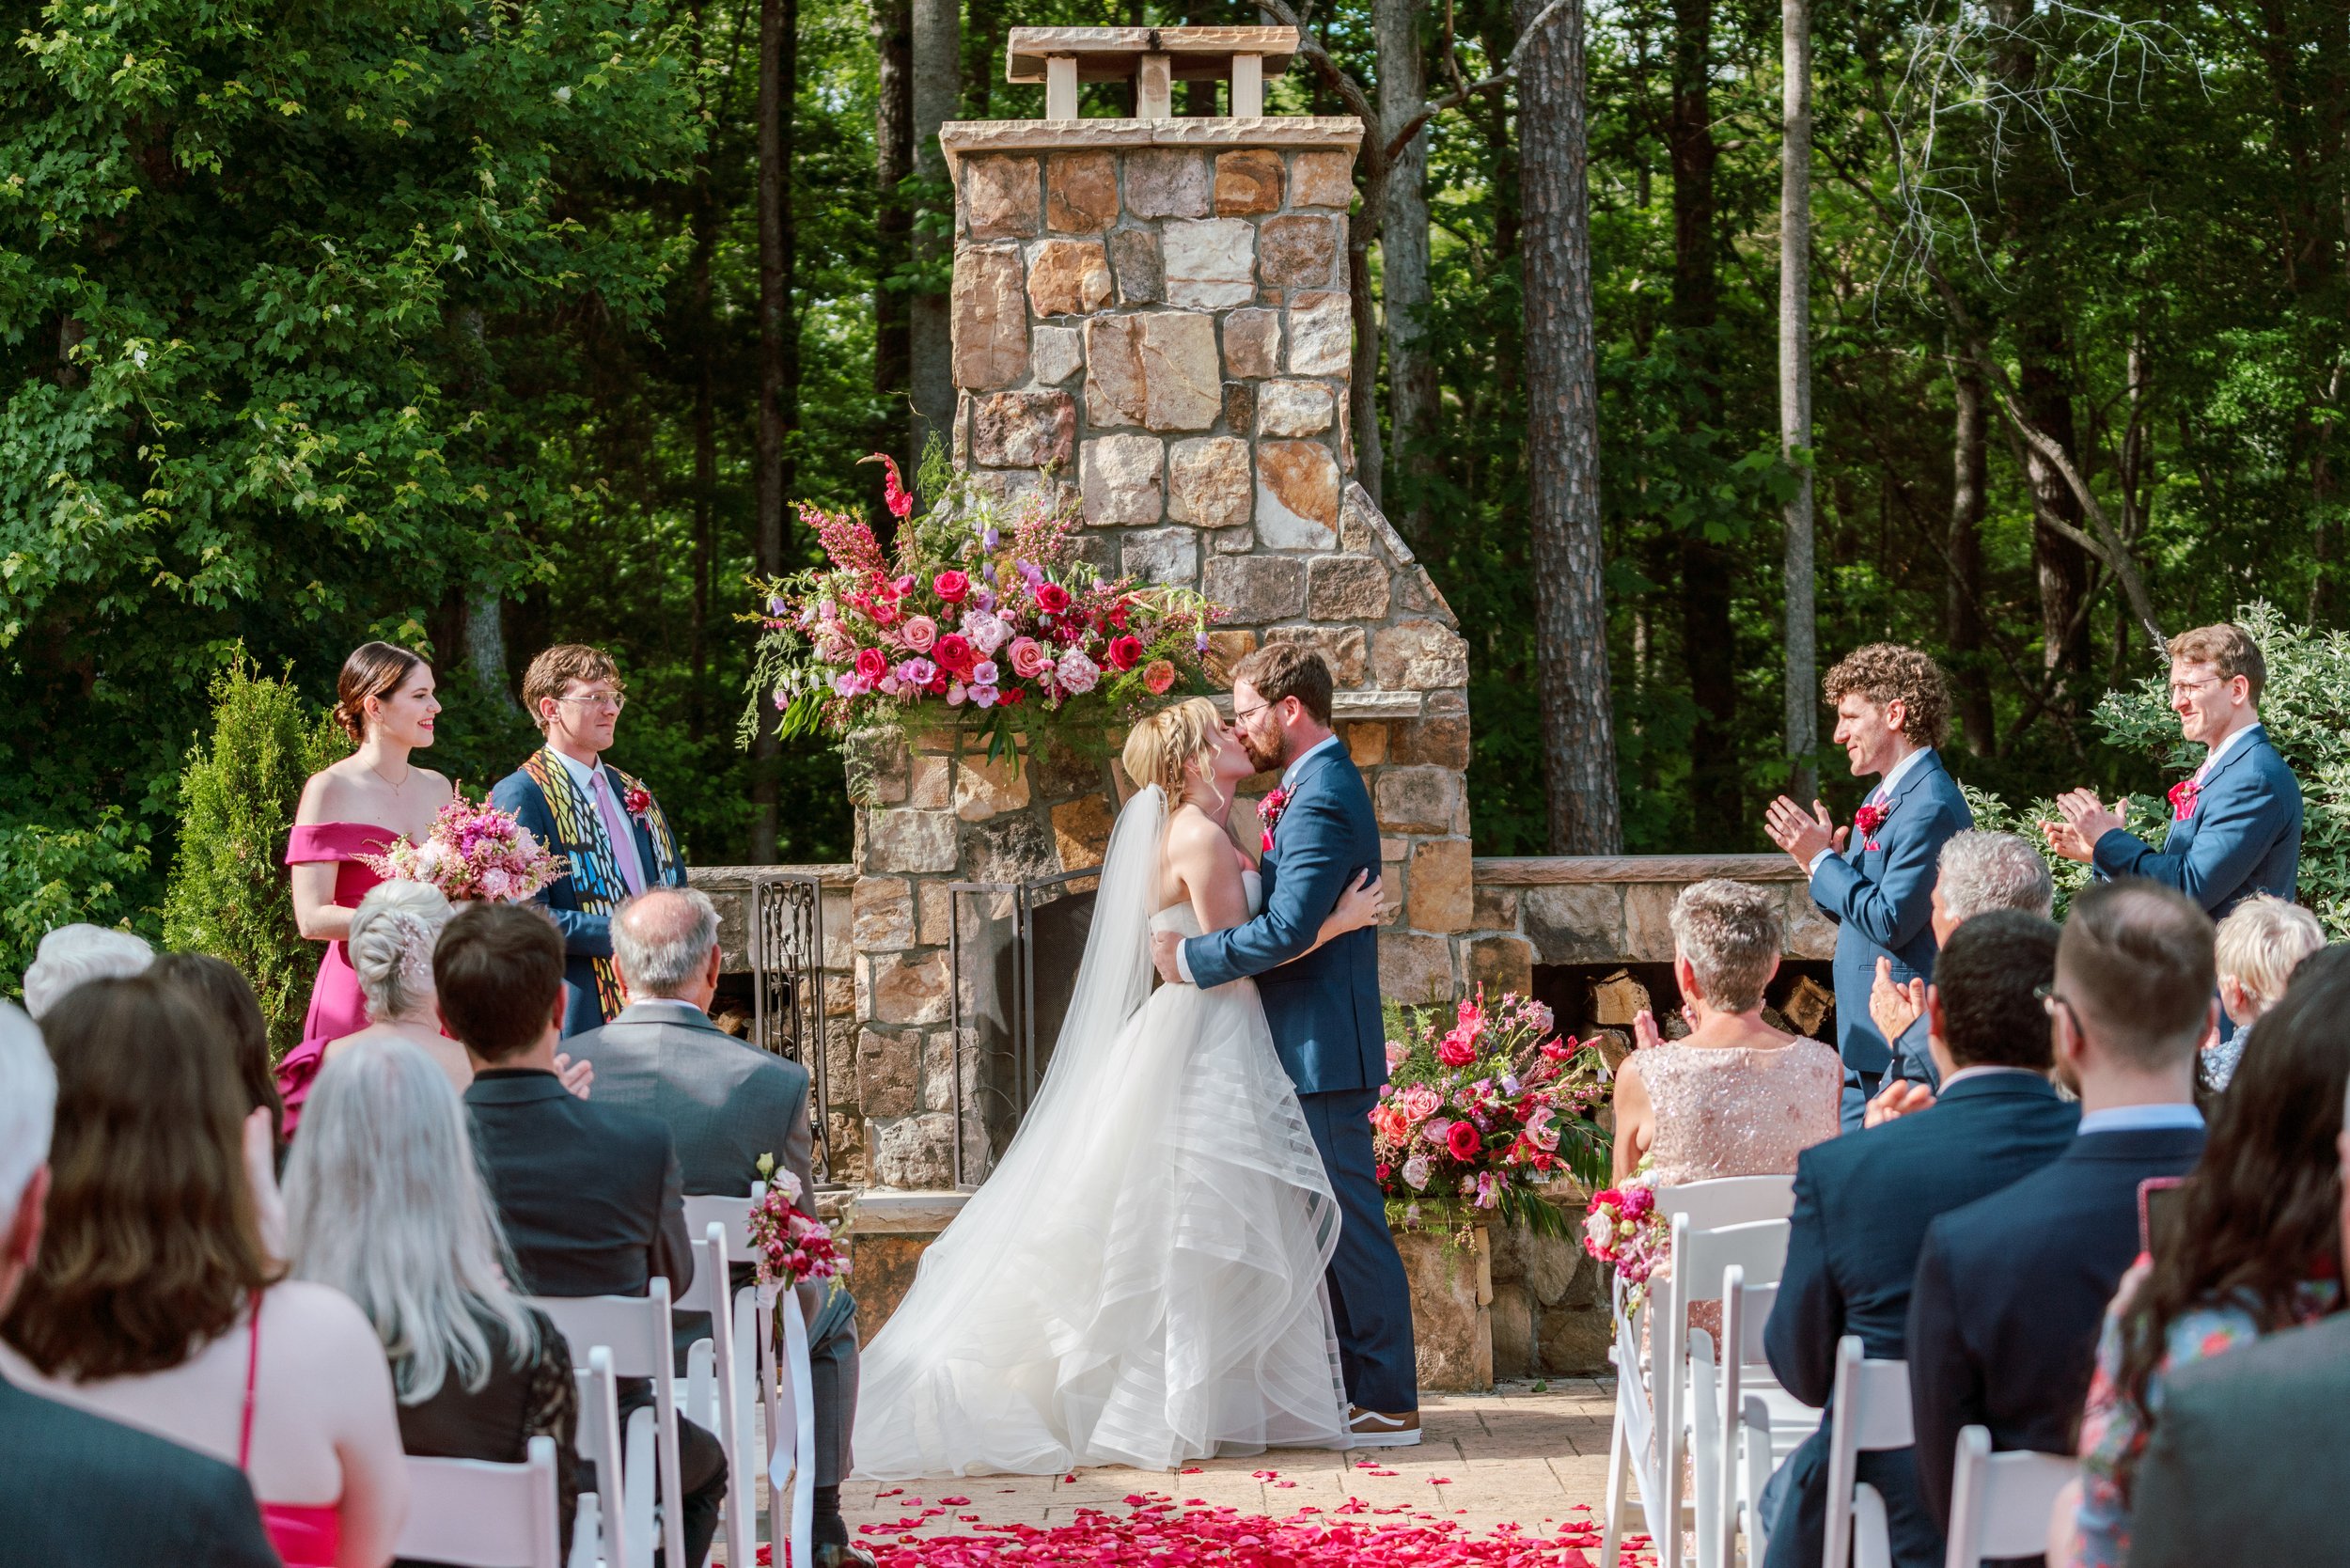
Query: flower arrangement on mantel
x,y
1485,1109
981,617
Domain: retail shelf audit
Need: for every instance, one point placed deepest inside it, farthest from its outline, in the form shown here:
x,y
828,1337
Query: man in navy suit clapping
x,y
1891,704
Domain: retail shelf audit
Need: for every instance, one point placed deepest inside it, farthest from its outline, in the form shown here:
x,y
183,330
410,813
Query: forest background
x,y
458,325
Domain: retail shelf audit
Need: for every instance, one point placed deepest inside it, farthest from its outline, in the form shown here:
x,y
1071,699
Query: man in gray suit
x,y
82,1489
727,1103
2248,1462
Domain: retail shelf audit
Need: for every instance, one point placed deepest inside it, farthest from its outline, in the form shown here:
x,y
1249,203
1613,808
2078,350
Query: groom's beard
x,y
1266,758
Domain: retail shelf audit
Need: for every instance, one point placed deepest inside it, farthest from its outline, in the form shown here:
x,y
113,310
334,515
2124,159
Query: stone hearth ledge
x,y
962,138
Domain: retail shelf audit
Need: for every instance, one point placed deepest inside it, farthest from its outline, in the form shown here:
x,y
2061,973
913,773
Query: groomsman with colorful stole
x,y
2235,826
1891,706
603,821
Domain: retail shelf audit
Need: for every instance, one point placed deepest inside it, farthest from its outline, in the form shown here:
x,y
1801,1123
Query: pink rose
x,y
1028,658
1454,1051
1158,675
1124,654
953,587
1419,1103
1461,1142
919,634
870,665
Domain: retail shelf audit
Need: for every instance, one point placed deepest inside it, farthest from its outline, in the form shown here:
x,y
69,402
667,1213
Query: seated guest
x,y
2198,1503
588,1195
2260,944
392,934
70,955
154,1303
81,1490
2253,1249
384,1202
222,986
2011,1289
1978,869
1863,1202
727,1103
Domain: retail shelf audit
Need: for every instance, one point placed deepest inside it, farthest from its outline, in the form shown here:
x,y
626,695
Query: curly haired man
x,y
1876,880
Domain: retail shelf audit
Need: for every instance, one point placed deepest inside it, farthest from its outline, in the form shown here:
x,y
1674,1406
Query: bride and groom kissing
x,y
1184,1250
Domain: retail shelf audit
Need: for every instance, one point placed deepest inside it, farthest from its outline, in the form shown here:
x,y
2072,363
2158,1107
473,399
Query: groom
x,y
1324,1011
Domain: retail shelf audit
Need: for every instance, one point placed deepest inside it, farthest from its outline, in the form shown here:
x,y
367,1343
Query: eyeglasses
x,y
1240,713
2180,688
614,700
2051,999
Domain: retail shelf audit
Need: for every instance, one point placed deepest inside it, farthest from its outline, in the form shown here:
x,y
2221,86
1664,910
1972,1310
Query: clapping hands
x,y
1803,835
1892,1006
2086,820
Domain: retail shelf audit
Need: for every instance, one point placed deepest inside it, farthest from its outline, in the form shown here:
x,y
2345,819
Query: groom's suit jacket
x,y
2243,838
1322,1008
1882,900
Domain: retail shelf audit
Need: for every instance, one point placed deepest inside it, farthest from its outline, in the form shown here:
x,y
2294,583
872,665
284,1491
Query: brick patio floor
x,y
1513,1456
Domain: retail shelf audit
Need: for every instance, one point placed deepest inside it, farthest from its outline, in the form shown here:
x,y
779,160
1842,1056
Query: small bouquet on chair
x,y
789,1245
474,853
1623,1227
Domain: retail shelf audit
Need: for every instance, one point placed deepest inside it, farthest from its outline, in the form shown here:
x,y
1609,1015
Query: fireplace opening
x,y
1587,998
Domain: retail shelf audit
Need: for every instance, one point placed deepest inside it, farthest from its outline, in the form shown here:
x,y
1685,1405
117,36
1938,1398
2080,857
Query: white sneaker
x,y
1376,1429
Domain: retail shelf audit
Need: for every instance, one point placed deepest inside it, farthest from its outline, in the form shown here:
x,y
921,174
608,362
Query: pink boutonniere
x,y
2183,795
1269,812
1868,819
637,801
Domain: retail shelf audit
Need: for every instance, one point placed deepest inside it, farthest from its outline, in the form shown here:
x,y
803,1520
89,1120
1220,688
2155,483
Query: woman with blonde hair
x,y
1141,1280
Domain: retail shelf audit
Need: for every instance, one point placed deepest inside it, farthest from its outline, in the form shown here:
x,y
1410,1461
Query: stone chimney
x,y
1152,314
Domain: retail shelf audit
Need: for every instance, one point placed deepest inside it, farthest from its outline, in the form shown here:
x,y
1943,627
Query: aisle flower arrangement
x,y
789,1245
473,852
1485,1107
979,616
1623,1228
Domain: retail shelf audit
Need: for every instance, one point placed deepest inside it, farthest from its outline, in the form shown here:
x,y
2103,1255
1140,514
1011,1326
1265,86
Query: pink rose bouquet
x,y
474,853
1623,1228
788,1244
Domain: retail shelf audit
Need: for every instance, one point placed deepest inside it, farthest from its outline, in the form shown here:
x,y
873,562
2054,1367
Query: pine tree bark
x,y
1563,441
1801,735
937,48
893,220
1404,258
1962,619
779,349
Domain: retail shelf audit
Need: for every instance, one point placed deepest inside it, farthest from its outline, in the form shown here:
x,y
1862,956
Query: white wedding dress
x,y
1140,1282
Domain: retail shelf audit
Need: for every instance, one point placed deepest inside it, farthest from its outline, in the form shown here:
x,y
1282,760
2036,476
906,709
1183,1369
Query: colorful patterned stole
x,y
596,879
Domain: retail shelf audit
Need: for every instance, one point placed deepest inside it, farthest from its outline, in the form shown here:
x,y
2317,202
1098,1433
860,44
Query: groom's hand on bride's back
x,y
1165,945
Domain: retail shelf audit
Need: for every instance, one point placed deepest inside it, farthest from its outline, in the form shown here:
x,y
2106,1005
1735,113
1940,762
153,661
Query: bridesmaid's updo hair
x,y
1163,746
1732,935
373,669
392,934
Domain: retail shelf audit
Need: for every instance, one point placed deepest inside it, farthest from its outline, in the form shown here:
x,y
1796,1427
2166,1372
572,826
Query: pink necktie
x,y
623,842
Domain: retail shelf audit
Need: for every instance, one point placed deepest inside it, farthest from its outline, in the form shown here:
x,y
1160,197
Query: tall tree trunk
x,y
1563,441
778,349
1962,617
1403,259
893,220
1802,731
705,440
1708,645
937,56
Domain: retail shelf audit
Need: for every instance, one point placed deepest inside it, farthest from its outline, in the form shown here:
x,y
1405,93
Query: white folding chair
x,y
478,1515
1762,1422
1700,1256
1629,1454
791,1396
715,1387
1728,1200
2001,1502
635,1329
1870,1412
600,1534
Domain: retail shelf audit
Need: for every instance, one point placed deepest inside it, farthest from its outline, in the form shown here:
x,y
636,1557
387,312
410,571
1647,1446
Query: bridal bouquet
x,y
1485,1109
1623,1227
990,618
790,1245
473,852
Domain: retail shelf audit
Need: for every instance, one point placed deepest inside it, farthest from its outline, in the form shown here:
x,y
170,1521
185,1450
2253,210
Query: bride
x,y
1140,1283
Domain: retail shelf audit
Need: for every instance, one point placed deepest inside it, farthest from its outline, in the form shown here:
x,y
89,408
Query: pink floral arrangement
x,y
1486,1108
1623,1227
473,852
789,1245
973,615
1276,800
1868,819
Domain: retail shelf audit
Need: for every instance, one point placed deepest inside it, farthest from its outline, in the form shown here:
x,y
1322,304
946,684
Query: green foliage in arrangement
x,y
52,876
230,894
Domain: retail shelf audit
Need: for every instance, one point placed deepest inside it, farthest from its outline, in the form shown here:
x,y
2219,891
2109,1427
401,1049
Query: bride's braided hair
x,y
1163,747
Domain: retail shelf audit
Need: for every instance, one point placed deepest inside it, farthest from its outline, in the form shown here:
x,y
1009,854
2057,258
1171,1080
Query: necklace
x,y
403,780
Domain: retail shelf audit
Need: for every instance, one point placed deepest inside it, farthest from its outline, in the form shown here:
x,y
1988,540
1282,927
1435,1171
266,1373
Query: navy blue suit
x,y
1862,1206
1881,901
1322,1008
2244,837
2011,1293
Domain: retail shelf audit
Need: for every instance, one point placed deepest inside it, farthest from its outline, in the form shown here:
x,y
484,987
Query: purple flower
x,y
917,672
1200,643
992,537
985,673
845,684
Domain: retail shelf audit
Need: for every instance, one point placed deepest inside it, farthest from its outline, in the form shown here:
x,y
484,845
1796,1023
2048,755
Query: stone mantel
x,y
967,138
1549,871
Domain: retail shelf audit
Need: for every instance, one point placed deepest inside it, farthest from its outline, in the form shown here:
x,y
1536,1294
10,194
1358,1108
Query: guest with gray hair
x,y
71,954
82,1489
385,1202
725,1104
1979,871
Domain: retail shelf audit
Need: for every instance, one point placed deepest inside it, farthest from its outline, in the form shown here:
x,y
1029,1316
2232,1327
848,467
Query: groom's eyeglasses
x,y
612,700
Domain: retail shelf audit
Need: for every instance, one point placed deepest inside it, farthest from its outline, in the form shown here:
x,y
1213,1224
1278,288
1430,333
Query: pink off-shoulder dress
x,y
337,1007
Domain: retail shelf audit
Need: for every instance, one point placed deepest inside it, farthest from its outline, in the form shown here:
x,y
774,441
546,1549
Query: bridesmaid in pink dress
x,y
359,806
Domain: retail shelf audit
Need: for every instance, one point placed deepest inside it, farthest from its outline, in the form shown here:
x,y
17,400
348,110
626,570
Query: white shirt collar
x,y
2211,759
1899,771
583,774
1289,775
2141,1118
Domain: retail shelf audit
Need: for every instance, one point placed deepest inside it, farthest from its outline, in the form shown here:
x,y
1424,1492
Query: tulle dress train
x,y
1140,1282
